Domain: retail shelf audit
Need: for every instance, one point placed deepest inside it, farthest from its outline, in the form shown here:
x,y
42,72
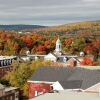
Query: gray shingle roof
x,y
73,84
53,74
89,77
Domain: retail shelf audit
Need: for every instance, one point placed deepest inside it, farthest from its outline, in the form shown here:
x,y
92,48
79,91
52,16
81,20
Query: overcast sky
x,y
48,12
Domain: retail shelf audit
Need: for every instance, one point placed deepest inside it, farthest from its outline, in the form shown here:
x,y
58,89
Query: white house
x,y
51,57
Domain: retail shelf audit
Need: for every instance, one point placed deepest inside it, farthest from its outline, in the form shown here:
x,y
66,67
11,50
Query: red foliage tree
x,y
68,42
90,49
40,48
87,61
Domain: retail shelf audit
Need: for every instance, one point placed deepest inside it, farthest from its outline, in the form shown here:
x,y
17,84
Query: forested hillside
x,y
92,27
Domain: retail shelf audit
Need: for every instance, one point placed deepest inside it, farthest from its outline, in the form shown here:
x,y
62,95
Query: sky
x,y
48,12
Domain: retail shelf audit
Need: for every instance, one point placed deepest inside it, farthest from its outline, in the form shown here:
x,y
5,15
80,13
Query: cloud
x,y
48,12
91,0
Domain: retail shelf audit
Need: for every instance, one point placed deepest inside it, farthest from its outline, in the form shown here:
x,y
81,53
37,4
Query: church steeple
x,y
58,47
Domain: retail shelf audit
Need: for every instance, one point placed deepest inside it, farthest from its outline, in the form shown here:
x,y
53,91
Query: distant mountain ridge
x,y
20,27
86,27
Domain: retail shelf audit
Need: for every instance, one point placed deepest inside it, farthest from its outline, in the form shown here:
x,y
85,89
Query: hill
x,y
20,27
83,28
73,28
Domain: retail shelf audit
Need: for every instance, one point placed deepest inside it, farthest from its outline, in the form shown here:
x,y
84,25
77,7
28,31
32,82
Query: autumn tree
x,y
21,72
90,49
10,47
87,61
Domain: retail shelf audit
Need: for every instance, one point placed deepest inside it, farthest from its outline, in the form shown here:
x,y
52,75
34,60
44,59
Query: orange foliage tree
x,y
87,61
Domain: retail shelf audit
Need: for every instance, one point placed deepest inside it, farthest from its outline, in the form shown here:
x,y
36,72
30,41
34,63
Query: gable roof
x,y
73,58
51,54
63,75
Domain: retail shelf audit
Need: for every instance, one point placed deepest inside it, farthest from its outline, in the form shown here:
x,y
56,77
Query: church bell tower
x,y
58,49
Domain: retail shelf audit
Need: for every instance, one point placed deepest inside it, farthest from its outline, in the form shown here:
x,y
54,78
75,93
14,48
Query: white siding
x,y
50,57
57,86
94,88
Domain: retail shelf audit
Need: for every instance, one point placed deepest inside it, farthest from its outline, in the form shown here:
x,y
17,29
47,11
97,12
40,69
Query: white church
x,y
56,56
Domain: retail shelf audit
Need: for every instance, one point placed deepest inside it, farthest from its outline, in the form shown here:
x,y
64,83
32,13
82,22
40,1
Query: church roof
x,y
58,40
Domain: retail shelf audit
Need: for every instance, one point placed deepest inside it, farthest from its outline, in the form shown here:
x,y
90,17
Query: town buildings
x,y
57,56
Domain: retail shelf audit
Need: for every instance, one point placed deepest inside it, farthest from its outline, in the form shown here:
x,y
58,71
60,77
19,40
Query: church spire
x,y
58,48
58,41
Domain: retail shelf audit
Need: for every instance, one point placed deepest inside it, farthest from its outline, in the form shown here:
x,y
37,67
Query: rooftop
x,y
64,74
68,95
10,89
7,57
